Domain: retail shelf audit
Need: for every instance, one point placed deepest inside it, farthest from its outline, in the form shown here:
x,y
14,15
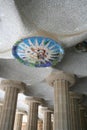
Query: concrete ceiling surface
x,y
12,69
74,62
66,20
58,16
80,86
63,20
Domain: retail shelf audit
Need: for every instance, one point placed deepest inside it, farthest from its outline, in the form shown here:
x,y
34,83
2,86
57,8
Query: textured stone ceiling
x,y
63,20
12,69
74,62
58,16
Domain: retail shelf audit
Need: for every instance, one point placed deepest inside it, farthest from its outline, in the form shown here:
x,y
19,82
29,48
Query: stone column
x,y
40,124
74,111
18,119
1,106
52,125
33,112
0,109
52,121
61,82
47,118
86,120
12,88
82,117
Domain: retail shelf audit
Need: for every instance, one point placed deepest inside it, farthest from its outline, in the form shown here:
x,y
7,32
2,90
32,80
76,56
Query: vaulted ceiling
x,y
63,21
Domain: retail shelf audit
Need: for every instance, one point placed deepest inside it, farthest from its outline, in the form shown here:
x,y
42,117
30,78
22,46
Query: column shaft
x,y
86,122
52,125
82,119
74,112
61,105
1,106
33,116
18,122
0,109
40,125
9,108
47,121
77,115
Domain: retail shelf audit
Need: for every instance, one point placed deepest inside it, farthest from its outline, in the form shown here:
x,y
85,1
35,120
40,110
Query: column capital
x,y
34,99
46,109
14,84
22,112
60,75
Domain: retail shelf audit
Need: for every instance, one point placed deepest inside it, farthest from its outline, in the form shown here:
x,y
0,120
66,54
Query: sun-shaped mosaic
x,y
38,51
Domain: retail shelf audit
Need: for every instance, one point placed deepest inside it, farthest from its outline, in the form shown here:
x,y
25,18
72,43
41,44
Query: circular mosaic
x,y
38,51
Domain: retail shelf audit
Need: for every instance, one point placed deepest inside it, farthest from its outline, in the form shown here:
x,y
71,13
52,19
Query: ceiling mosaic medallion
x,y
38,52
81,47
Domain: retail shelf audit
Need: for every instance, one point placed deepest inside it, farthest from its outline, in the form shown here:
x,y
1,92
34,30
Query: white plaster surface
x,y
65,21
11,25
62,20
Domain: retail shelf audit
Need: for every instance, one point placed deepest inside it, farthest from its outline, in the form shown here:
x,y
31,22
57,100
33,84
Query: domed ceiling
x,y
64,21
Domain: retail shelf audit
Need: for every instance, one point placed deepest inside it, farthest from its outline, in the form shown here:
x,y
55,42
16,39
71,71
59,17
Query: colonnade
x,y
10,117
69,114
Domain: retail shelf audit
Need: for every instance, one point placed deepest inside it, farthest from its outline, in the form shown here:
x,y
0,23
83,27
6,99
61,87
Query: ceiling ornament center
x,y
38,52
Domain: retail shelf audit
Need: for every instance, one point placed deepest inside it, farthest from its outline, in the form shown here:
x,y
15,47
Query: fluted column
x,y
33,112
1,106
47,118
0,109
52,121
61,82
40,124
74,111
82,117
86,121
18,119
12,88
